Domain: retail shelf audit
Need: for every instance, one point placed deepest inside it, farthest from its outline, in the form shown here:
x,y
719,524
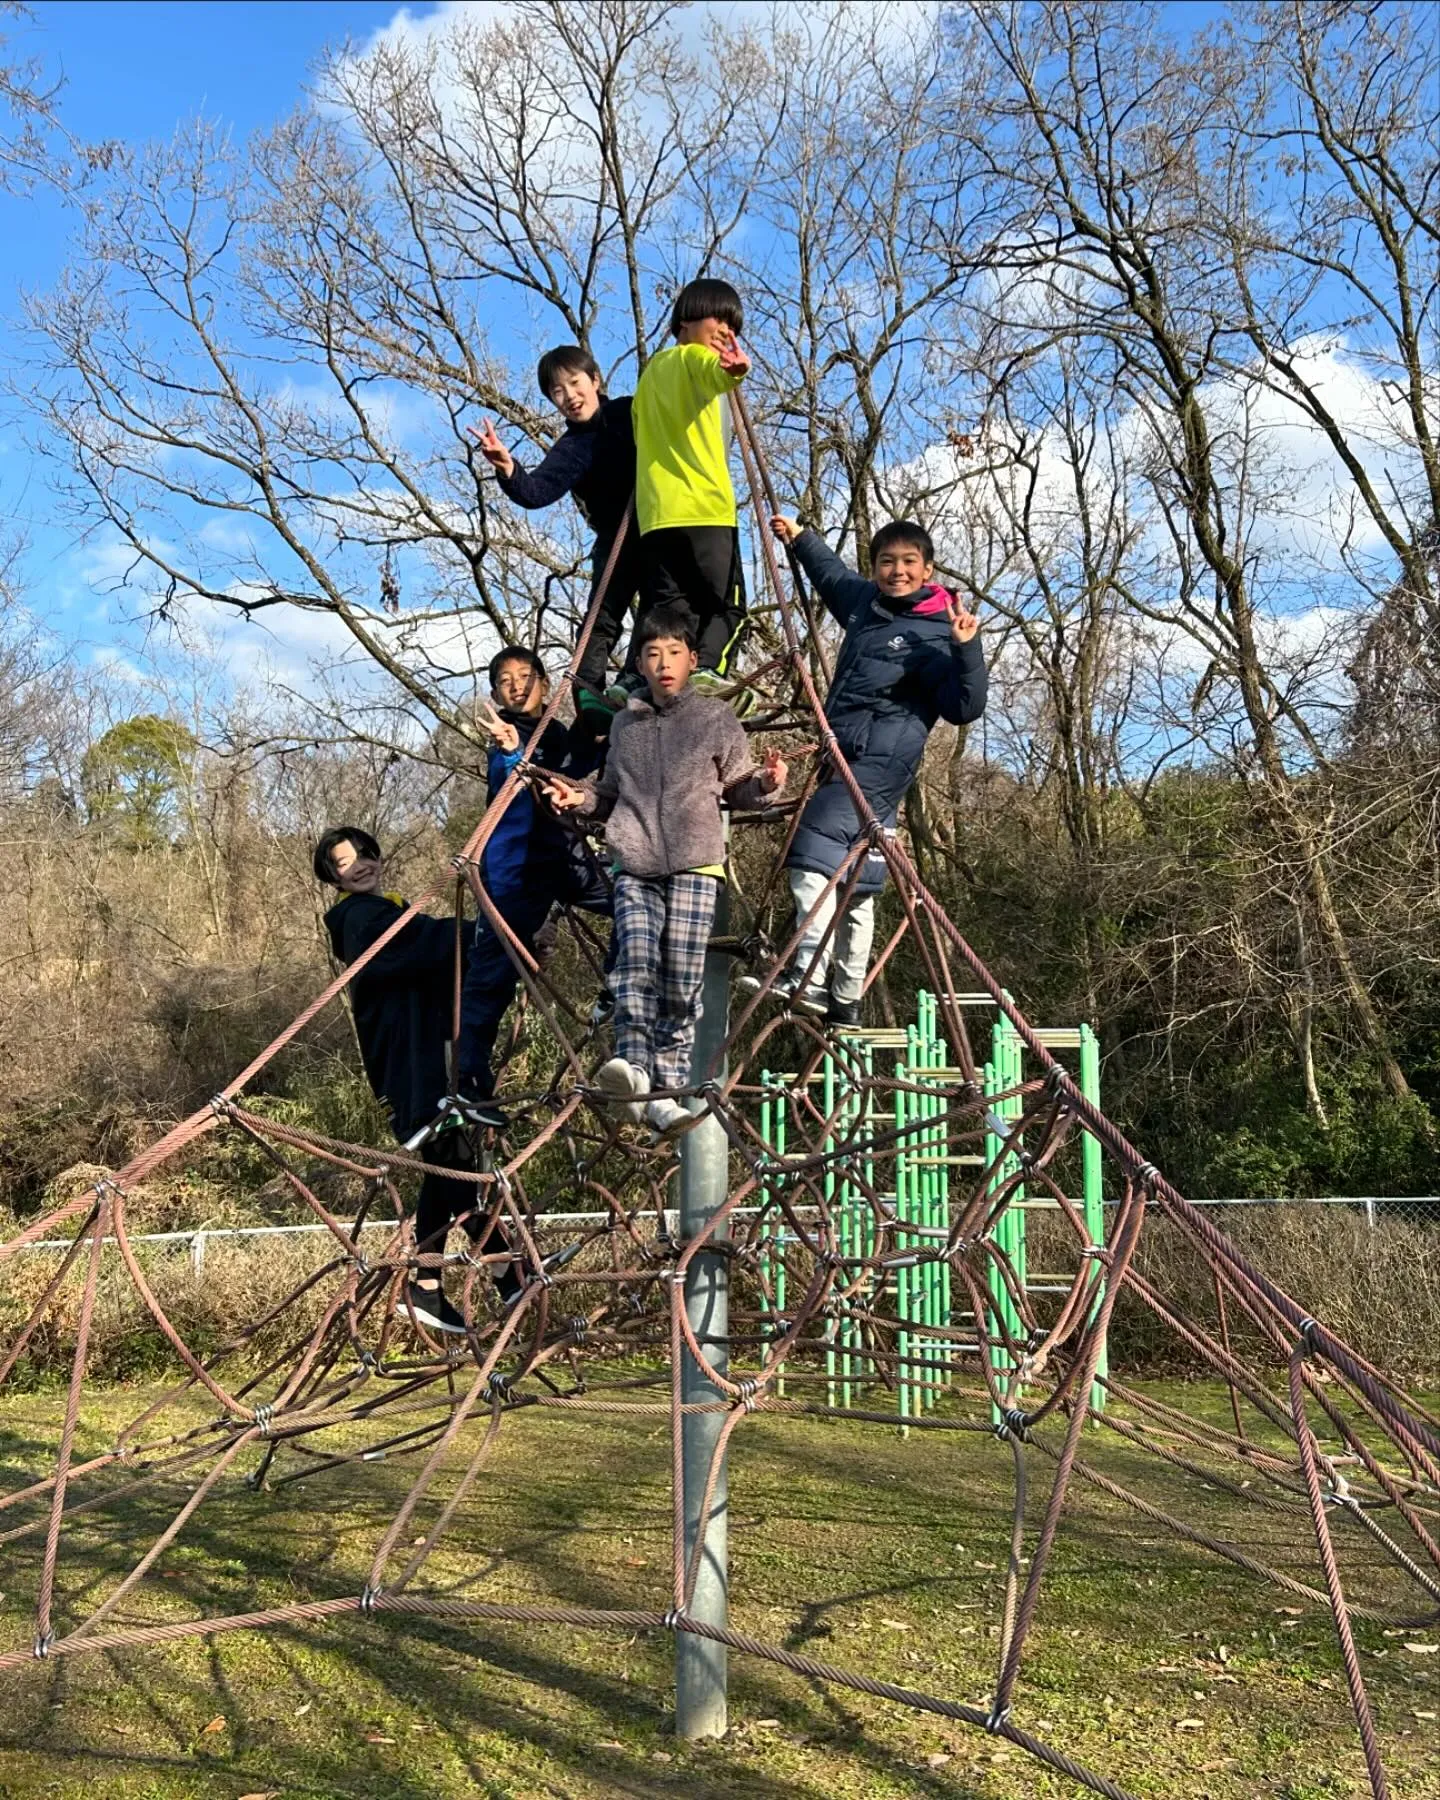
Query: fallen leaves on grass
x,y
1422,1649
216,1724
1189,1724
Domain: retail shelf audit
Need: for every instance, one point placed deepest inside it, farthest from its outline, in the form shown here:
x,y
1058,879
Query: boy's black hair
x,y
707,299
903,531
668,622
565,359
357,835
517,653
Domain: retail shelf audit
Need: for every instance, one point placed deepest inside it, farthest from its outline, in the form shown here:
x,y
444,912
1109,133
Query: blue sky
x,y
134,72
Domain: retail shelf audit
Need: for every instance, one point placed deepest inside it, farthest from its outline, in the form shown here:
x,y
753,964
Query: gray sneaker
x,y
668,1118
621,1081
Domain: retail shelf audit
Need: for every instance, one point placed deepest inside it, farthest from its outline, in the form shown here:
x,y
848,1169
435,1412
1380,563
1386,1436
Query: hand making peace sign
x,y
494,452
504,733
963,623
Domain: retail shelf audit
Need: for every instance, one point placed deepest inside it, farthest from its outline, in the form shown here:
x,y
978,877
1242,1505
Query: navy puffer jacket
x,y
900,670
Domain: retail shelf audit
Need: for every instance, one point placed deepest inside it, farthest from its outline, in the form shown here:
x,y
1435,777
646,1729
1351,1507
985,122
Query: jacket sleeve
x,y
742,782
423,946
553,476
602,790
963,684
842,590
499,765
706,378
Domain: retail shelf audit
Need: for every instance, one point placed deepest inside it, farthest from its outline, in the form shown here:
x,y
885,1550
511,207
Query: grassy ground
x,y
1170,1672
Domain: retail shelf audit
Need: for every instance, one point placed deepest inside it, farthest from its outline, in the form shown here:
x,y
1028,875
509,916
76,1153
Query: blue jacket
x,y
899,671
529,843
594,460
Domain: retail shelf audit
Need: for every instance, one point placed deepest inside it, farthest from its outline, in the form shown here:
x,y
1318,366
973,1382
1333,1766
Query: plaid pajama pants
x,y
662,925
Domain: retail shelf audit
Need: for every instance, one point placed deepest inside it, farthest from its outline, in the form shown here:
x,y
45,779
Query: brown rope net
x,y
1334,1445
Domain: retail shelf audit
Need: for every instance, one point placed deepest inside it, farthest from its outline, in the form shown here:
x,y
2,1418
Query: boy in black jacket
x,y
402,1002
911,655
593,459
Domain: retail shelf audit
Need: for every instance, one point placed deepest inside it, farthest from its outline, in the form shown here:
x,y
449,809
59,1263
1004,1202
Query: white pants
x,y
849,944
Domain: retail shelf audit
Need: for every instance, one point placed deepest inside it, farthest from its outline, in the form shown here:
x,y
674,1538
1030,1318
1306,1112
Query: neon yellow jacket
x,y
682,475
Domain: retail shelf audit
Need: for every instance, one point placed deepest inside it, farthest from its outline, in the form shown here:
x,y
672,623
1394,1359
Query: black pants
x,y
491,978
614,608
441,1200
699,565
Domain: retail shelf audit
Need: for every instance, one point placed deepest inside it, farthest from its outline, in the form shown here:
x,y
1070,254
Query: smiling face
x,y
355,873
576,394
901,570
667,663
710,332
519,689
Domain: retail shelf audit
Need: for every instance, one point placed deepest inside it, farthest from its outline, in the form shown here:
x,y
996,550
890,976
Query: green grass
x,y
848,1544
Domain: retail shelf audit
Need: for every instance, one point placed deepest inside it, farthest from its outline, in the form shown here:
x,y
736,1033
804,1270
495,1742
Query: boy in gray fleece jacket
x,y
675,755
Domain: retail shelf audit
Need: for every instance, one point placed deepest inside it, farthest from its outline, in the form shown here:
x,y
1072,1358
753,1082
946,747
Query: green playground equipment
x,y
931,1332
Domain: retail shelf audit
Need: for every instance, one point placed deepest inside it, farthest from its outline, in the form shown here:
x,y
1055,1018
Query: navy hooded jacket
x,y
593,459
403,1003
529,842
899,671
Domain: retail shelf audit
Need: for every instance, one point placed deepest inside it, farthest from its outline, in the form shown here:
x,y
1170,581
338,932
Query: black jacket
x,y
403,1003
899,671
594,461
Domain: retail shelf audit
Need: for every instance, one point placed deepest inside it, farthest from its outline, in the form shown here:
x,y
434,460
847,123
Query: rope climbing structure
x,y
841,1233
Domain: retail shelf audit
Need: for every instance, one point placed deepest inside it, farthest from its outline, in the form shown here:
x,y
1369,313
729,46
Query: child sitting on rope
x,y
402,1002
675,755
593,459
911,655
684,501
531,863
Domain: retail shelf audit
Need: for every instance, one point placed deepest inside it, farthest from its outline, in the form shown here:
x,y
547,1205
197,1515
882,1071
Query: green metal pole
x,y
1093,1192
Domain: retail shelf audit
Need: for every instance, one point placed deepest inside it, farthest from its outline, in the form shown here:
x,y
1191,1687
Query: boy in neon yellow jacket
x,y
684,502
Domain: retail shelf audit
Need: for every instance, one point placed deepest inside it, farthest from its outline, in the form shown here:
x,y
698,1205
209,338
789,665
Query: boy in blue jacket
x,y
531,863
593,459
911,655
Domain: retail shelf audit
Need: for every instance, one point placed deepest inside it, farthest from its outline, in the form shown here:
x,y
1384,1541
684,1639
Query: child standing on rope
x,y
911,655
684,501
676,755
594,460
402,1002
531,863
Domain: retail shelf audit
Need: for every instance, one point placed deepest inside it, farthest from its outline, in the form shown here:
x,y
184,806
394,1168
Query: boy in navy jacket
x,y
594,460
911,655
531,862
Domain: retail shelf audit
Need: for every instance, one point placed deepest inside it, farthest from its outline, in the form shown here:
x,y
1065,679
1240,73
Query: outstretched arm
x,y
552,477
842,590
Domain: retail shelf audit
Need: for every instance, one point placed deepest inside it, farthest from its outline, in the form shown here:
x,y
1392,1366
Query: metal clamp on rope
x,y
368,1597
1057,1079
222,1106
1146,1176
999,1715
1307,1328
579,1328
745,1392
263,1416
497,1387
671,1620
1013,1422
369,1362
44,1643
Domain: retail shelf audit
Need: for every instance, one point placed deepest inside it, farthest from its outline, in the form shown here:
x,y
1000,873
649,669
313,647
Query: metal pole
x,y
700,1665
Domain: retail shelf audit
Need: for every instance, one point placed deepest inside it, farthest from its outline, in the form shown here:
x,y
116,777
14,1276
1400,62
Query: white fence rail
x,y
1372,1205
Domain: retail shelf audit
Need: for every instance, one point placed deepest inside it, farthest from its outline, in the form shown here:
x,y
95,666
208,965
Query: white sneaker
x,y
668,1118
623,1082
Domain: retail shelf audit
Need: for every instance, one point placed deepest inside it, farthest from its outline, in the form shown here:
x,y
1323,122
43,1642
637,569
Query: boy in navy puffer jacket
x,y
911,656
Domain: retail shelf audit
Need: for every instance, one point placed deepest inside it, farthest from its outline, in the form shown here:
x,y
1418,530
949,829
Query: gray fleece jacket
x,y
668,769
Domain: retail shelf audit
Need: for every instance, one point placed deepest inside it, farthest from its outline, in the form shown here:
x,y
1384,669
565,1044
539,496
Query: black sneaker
x,y
812,1001
430,1308
510,1284
843,1012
